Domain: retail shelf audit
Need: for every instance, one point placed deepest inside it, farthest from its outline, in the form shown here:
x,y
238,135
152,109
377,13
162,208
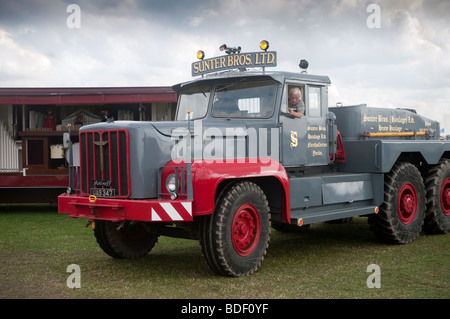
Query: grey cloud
x,y
139,42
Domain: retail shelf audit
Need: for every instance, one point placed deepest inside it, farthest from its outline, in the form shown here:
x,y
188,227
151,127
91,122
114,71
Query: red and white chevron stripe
x,y
173,211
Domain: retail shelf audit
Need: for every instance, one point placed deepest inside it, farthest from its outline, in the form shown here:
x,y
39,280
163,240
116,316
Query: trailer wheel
x,y
127,241
234,239
437,216
401,216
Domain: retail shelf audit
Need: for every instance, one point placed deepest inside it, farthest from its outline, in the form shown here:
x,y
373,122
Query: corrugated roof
x,y
87,95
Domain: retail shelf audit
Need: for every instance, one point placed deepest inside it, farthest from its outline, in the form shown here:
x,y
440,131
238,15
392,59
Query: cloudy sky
x,y
378,52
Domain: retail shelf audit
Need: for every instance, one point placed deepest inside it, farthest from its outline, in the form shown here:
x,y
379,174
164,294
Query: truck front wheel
x,y
235,237
402,213
124,241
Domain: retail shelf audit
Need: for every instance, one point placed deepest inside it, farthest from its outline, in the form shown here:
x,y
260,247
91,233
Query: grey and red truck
x,y
235,164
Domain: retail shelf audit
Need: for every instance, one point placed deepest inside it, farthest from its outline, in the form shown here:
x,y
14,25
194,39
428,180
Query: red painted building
x,y
33,165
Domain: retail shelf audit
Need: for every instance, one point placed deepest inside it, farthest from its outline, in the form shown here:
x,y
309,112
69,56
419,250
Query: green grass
x,y
326,261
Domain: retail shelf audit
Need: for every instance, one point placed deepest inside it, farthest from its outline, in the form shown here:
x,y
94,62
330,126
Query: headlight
x,y
171,183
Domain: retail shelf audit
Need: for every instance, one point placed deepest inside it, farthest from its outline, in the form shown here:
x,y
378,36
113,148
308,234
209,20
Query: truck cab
x,y
260,102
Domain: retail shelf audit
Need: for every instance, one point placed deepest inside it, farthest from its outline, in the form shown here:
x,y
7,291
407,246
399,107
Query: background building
x,y
33,164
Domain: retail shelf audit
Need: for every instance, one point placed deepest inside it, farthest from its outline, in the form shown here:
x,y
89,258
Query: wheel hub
x,y
407,203
245,230
445,197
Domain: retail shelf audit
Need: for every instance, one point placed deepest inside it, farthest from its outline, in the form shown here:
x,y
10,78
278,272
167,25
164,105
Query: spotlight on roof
x,y
303,65
229,50
264,45
200,54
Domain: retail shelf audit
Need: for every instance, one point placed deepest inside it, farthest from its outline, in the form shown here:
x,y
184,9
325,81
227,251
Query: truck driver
x,y
296,107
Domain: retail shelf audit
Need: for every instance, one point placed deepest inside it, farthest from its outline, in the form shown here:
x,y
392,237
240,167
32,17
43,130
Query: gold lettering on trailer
x,y
370,118
294,140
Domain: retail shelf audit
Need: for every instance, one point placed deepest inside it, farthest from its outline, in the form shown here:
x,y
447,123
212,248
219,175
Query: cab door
x,y
304,141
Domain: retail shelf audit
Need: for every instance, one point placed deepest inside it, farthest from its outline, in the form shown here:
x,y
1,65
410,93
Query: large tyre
x,y
234,239
401,215
127,241
437,216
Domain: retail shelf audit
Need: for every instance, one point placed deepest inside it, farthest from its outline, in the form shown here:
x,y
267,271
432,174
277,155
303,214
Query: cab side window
x,y
314,101
287,90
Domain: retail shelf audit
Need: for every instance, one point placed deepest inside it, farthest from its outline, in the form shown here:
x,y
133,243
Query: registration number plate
x,y
103,192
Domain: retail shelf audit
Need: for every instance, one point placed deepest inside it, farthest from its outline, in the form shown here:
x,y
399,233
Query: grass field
x,y
325,262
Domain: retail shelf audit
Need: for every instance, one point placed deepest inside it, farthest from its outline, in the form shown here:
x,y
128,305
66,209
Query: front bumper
x,y
152,210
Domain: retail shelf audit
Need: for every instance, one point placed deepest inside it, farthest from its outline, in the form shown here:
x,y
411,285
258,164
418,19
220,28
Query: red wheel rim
x,y
445,197
245,230
407,203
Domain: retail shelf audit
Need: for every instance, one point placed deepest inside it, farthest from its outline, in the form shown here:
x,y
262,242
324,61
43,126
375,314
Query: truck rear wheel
x,y
401,215
437,217
127,241
235,237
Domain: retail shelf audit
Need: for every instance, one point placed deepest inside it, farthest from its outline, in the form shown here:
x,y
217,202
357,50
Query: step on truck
x,y
240,159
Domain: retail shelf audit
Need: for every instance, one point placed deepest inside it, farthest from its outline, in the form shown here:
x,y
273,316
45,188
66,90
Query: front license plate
x,y
103,192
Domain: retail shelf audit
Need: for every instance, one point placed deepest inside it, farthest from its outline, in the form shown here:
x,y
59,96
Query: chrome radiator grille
x,y
105,165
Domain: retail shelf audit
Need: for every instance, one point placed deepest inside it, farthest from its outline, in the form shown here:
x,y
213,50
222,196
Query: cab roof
x,y
279,76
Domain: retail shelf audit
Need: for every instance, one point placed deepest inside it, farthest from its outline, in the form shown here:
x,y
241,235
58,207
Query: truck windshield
x,y
194,99
244,99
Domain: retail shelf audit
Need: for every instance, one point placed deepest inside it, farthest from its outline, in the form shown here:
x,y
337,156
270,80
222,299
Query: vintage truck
x,y
235,163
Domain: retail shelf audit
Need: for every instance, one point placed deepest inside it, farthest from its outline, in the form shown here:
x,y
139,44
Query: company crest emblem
x,y
294,140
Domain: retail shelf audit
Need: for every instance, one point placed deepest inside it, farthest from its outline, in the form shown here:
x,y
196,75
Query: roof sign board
x,y
235,61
